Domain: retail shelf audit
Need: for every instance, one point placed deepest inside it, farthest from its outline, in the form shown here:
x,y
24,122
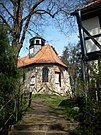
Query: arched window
x,y
45,74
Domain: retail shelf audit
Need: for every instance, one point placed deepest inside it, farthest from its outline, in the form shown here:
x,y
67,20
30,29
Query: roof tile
x,y
45,55
90,4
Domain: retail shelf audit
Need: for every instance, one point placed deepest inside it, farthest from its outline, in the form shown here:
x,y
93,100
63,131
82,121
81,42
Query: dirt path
x,y
42,113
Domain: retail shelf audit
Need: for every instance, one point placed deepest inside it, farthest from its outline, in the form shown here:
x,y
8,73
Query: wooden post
x,y
82,41
98,80
30,96
17,107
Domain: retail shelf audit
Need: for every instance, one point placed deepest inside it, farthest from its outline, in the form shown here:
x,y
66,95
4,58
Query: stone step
x,y
45,126
42,129
24,132
57,133
31,127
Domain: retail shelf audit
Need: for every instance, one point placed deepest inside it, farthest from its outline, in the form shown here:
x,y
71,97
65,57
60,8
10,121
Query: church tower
x,y
36,44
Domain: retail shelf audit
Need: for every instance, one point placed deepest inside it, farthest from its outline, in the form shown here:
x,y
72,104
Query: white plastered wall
x,y
92,25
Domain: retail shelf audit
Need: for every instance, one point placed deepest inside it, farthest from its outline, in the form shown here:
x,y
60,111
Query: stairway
x,y
42,129
43,120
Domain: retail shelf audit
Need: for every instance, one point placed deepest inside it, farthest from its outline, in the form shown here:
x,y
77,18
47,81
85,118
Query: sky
x,y
54,37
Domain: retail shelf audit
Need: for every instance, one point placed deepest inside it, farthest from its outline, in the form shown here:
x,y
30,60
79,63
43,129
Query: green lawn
x,y
51,100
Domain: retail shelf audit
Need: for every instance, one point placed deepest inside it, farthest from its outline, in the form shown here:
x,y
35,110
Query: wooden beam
x,y
91,37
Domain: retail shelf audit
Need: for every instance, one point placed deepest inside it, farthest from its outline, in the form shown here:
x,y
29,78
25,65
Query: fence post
x,y
30,95
17,107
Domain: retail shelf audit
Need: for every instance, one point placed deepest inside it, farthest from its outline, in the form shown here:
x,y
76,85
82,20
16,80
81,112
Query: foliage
x,y
71,57
8,75
94,84
73,107
65,55
68,103
91,122
8,70
88,115
90,110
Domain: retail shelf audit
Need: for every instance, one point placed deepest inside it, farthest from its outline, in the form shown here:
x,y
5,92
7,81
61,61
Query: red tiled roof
x,y
91,4
45,55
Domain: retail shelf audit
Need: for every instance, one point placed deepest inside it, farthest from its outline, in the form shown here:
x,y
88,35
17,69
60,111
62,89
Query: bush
x,y
73,108
69,102
8,75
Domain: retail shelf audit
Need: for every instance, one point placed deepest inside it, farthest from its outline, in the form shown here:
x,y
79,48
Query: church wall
x,y
65,82
34,80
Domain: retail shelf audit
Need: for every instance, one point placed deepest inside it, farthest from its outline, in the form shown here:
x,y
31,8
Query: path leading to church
x,y
42,113
44,119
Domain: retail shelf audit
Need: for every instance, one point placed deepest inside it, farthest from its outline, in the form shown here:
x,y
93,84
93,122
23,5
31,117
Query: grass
x,y
51,100
59,105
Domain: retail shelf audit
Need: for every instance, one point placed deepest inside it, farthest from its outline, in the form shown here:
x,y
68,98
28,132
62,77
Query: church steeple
x,y
36,44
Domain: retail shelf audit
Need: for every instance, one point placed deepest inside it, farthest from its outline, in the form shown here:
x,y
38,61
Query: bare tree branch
x,y
7,10
19,11
24,32
36,11
5,22
46,12
30,33
32,9
31,13
33,31
28,17
12,2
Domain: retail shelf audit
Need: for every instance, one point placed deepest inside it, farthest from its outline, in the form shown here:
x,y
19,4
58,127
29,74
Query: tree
x,y
8,75
71,58
65,55
18,15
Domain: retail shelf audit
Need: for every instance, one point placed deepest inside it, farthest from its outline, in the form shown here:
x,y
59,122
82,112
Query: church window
x,y
37,41
45,74
60,79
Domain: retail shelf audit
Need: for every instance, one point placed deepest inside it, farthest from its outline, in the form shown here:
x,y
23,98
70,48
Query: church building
x,y
45,72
